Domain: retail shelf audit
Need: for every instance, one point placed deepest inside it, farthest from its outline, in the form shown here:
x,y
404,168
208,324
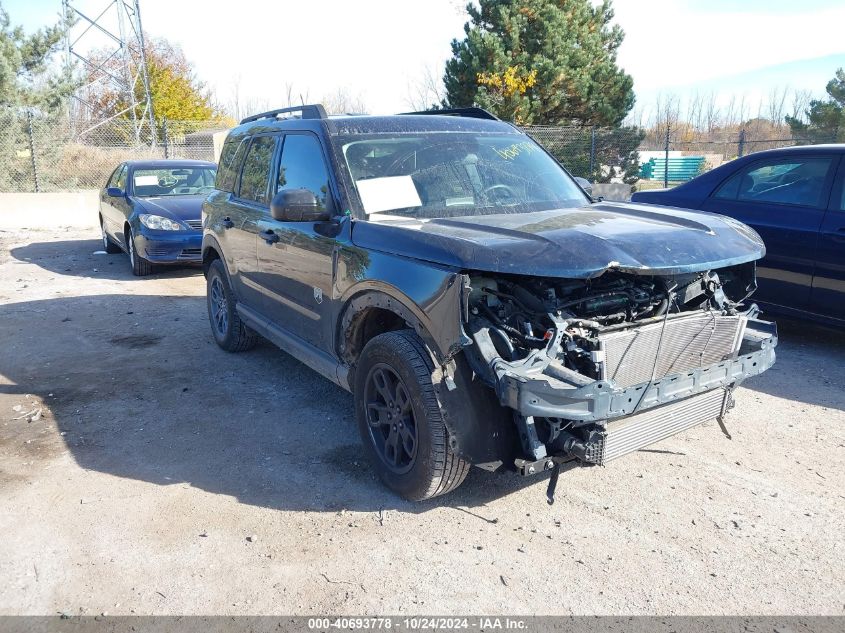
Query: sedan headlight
x,y
160,223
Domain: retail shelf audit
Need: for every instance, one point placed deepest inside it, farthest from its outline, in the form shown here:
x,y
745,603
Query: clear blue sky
x,y
378,48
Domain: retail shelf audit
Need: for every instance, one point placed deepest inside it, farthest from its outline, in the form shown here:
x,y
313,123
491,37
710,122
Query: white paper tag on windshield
x,y
388,194
143,181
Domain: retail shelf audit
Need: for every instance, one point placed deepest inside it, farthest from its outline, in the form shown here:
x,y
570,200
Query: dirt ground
x,y
165,476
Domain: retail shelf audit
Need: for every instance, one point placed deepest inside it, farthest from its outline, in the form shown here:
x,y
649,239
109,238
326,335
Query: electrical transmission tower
x,y
121,64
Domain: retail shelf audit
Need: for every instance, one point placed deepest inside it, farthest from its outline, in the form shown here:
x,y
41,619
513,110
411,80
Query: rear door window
x,y
255,176
230,161
792,181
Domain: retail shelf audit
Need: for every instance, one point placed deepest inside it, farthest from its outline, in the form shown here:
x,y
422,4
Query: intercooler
x,y
680,344
626,435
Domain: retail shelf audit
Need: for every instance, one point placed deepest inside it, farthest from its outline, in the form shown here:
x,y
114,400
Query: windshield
x,y
177,181
438,175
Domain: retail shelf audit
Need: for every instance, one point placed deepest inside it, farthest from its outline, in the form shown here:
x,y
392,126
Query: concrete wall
x,y
78,209
617,192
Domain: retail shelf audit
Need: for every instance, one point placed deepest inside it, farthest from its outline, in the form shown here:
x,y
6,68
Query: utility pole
x,y
117,32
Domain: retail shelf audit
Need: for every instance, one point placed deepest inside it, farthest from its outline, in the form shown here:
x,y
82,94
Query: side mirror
x,y
114,192
297,205
585,185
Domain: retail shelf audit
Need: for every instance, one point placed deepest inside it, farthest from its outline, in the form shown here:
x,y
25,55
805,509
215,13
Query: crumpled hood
x,y
173,207
576,243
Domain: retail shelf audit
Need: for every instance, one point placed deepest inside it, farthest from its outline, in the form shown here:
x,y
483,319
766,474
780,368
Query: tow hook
x,y
727,404
526,468
555,464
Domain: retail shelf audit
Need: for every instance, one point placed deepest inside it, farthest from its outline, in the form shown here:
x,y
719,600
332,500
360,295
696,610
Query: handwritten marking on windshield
x,y
512,152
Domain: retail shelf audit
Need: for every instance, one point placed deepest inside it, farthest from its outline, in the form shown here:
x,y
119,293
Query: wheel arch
x,y
481,430
373,311
210,251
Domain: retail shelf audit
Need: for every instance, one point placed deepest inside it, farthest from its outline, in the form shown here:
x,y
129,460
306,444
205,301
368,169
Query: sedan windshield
x,y
179,181
438,175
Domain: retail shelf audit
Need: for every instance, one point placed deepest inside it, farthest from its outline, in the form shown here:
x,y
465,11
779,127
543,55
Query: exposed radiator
x,y
630,434
696,340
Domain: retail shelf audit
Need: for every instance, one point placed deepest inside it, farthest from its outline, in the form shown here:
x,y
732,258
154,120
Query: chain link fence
x,y
599,154
670,157
41,152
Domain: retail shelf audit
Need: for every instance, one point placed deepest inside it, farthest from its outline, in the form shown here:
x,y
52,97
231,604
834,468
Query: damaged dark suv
x,y
480,306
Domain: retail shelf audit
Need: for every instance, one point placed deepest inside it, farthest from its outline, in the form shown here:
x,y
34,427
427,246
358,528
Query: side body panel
x,y
426,295
295,276
235,226
296,259
828,293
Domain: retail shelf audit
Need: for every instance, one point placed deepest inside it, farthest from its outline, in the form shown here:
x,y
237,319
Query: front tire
x,y
400,418
140,266
230,332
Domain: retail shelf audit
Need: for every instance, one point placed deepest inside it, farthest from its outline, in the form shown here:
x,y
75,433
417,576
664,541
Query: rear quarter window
x,y
793,181
231,158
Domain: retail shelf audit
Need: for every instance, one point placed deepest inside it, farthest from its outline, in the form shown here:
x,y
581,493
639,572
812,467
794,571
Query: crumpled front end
x,y
613,366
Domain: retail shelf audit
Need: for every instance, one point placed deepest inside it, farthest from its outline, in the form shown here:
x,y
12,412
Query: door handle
x,y
269,236
227,222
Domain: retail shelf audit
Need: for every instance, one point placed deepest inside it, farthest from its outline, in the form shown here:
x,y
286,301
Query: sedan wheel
x,y
140,266
110,247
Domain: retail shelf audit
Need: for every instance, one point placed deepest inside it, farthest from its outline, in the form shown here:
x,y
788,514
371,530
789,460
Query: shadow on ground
x,y
810,365
139,390
76,258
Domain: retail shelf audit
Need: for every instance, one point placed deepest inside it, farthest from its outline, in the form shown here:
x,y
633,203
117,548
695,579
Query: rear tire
x,y
228,329
400,418
108,245
140,266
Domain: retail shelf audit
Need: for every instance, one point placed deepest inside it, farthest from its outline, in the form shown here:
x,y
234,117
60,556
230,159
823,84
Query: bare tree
x,y
667,110
426,90
635,118
235,106
711,112
729,115
800,103
695,109
341,101
777,104
255,105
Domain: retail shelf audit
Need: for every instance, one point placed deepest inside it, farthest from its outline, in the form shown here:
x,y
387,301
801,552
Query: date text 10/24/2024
x,y
421,623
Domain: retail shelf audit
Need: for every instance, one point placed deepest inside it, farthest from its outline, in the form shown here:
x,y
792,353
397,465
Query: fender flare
x,y
388,298
210,243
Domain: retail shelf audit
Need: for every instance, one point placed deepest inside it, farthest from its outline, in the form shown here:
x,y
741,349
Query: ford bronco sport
x,y
480,306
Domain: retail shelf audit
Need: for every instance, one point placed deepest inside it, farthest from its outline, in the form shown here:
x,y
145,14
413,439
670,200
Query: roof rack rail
x,y
472,113
314,111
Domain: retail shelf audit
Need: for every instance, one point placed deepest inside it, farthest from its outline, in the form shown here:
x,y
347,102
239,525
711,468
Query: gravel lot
x,y
166,476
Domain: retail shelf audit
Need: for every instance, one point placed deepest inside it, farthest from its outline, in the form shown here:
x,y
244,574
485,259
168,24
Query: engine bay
x,y
569,357
524,314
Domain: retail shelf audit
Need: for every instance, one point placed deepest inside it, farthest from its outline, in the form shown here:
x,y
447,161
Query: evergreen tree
x,y
825,119
546,62
25,79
